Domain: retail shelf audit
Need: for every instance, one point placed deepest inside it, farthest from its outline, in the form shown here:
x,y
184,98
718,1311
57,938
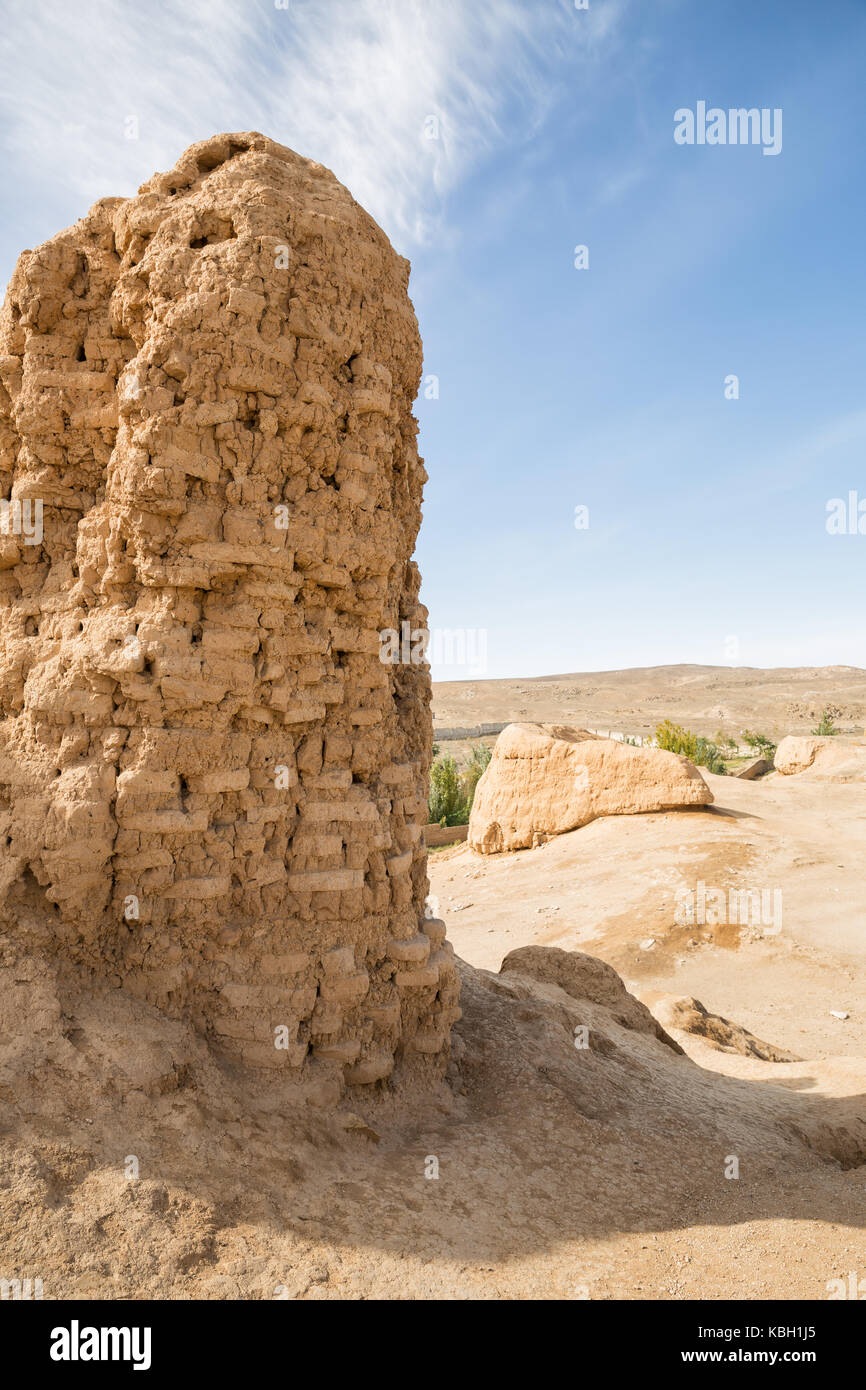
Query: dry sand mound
x,y
585,977
543,780
825,758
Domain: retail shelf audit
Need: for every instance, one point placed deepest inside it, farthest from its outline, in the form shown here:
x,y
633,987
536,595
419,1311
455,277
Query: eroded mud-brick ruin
x,y
212,790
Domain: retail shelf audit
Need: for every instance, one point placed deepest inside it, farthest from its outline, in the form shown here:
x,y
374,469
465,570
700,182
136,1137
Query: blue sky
x,y
558,387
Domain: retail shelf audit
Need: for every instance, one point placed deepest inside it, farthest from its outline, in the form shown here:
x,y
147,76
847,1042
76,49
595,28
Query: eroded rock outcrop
x,y
826,759
683,1014
545,779
212,791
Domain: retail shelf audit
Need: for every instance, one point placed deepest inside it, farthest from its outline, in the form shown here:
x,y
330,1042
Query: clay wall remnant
x,y
212,790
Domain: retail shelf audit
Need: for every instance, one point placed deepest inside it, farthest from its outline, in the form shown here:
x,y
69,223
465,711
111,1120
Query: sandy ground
x,y
613,885
610,889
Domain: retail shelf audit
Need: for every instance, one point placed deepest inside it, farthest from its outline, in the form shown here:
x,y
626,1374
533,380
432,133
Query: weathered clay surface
x,y
545,779
795,753
212,791
825,758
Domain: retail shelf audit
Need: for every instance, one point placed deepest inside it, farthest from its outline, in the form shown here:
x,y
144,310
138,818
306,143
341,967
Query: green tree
x,y
452,792
447,803
760,744
479,759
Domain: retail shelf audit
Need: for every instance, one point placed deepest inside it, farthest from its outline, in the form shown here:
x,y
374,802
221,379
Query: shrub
x,y
708,755
827,725
673,738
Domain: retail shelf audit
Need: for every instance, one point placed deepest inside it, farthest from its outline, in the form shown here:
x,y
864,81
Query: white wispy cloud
x,y
348,82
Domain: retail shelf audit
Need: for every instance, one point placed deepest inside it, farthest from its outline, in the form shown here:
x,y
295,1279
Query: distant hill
x,y
705,698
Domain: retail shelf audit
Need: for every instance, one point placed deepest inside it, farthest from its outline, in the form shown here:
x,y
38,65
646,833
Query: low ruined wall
x,y
435,834
474,731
